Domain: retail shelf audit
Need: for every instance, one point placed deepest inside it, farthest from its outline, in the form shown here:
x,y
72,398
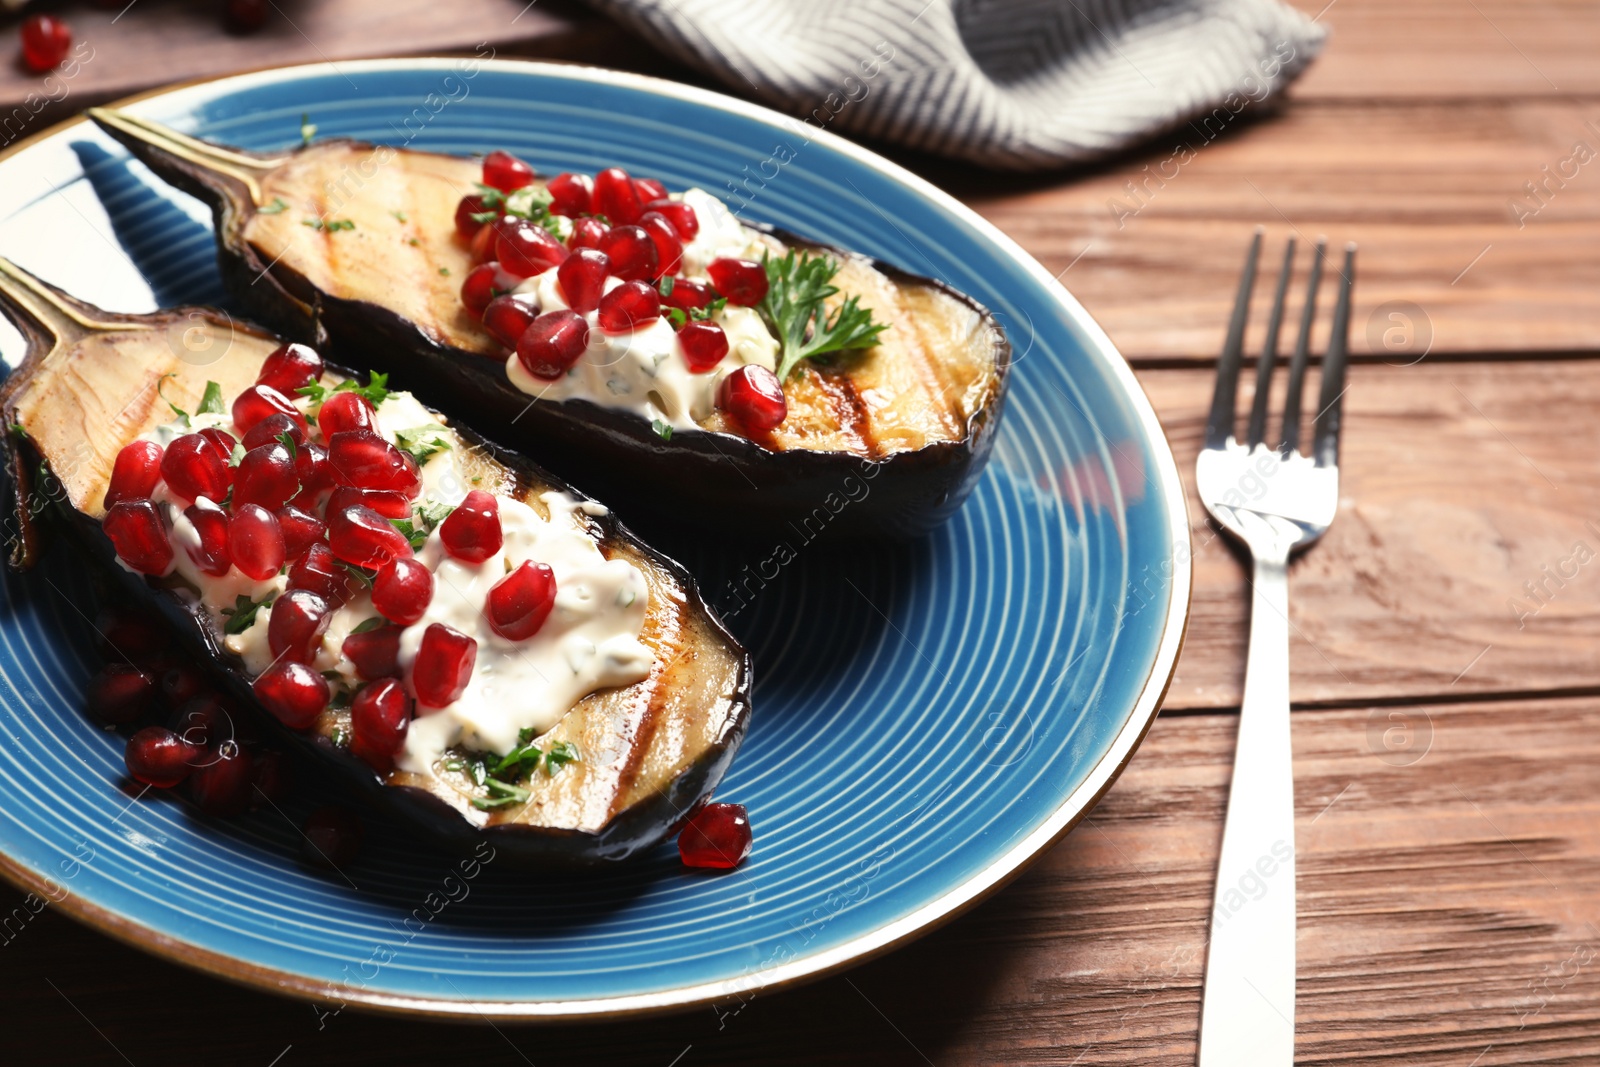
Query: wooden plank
x,y
1425,189
1461,484
1445,909
1440,49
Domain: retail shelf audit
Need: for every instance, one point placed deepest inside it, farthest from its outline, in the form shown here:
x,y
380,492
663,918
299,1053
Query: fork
x,y
1276,500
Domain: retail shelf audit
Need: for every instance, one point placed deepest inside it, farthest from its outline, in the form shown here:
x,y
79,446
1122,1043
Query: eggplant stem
x,y
61,316
247,168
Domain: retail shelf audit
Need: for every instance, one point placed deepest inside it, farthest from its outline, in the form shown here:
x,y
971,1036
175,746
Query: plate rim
x,y
885,938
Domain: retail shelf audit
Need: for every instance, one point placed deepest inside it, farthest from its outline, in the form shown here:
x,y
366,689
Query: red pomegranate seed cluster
x,y
622,227
277,501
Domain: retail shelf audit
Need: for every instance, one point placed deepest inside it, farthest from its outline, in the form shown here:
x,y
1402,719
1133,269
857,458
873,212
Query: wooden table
x,y
1449,889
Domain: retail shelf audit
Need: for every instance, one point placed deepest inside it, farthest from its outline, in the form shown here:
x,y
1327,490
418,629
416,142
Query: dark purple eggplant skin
x,y
530,848
718,480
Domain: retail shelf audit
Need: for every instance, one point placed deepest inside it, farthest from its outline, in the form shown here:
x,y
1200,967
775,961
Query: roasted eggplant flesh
x,y
361,240
642,753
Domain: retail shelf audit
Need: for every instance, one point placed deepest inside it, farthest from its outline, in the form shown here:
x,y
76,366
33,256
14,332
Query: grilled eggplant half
x,y
631,758
883,440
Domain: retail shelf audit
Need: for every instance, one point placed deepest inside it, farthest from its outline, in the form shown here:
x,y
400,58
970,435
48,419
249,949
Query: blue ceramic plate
x,y
928,717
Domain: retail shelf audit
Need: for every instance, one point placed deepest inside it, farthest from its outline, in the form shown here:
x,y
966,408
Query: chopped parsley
x,y
211,402
307,129
376,391
237,456
160,391
362,576
662,429
287,441
677,316
416,529
277,207
499,774
702,314
444,271
561,753
797,287
401,215
374,623
329,225
526,203
242,615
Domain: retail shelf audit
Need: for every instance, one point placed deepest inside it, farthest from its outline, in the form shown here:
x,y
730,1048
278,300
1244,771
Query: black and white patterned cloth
x,y
1010,84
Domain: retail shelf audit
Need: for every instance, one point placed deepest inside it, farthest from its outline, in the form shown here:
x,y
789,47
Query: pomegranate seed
x,y
119,693
139,536
126,634
704,345
365,460
508,317
379,718
385,502
271,429
616,198
271,778
361,536
649,189
220,784
289,367
630,306
266,476
669,249
506,172
443,666
332,837
375,653
193,469
135,473
753,396
45,40
466,225
221,441
583,278
480,288
742,281
472,531
211,523
552,343
301,529
346,411
318,571
718,836
525,248
298,621
203,722
687,294
183,682
632,253
483,242
157,756
684,221
255,542
521,601
311,467
293,692
260,401
571,194
587,233
402,591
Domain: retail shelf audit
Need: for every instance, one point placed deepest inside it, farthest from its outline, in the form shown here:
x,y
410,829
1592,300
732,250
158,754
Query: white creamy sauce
x,y
644,371
589,642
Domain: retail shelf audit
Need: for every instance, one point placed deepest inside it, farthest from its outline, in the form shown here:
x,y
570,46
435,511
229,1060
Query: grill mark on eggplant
x,y
848,406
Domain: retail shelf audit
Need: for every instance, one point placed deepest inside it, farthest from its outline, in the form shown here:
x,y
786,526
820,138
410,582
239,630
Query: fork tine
x,y
1292,403
1330,406
1219,424
1269,351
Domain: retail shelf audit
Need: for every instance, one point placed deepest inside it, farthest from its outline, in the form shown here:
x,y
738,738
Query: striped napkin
x,y
1008,84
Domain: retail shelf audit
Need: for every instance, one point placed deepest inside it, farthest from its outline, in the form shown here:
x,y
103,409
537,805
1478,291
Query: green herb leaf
x,y
160,391
277,207
430,513
423,441
662,430
444,272
362,576
376,390
401,215
517,764
211,402
329,225
501,795
561,753
340,736
702,314
287,442
677,316
664,287
316,392
237,456
307,130
242,615
369,625
797,287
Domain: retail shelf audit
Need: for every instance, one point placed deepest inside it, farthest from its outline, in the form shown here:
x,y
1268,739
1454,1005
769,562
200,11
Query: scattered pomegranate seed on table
x,y
158,757
332,837
222,782
120,693
717,837
45,41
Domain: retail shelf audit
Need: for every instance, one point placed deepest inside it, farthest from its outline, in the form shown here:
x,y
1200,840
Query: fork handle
x,y
1247,1015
